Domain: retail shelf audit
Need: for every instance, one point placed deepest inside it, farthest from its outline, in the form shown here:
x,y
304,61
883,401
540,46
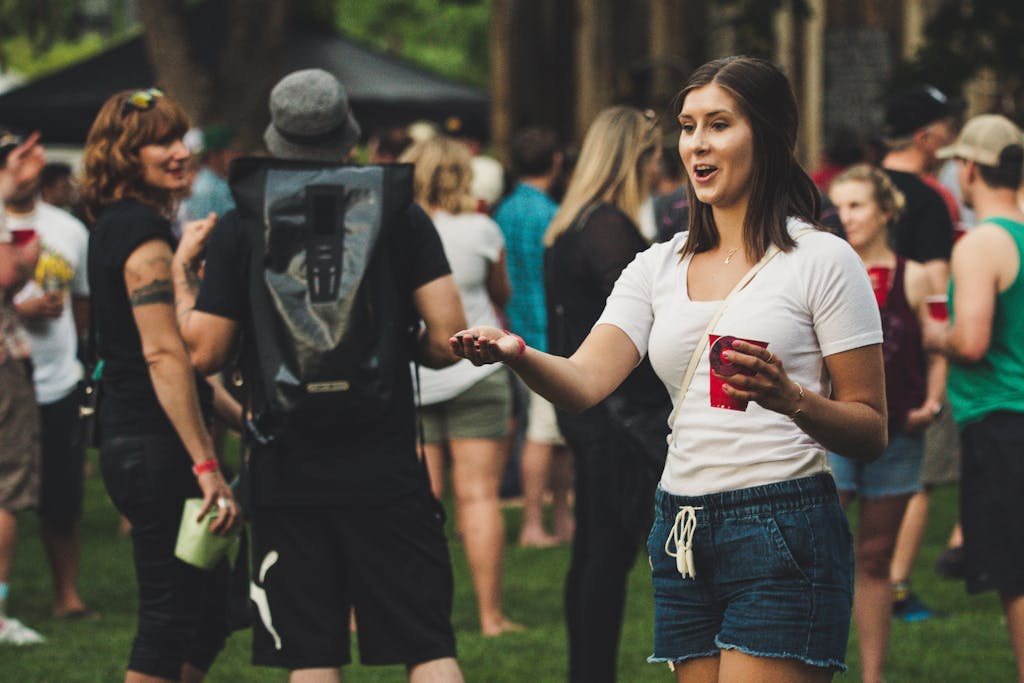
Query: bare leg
x,y
477,465
435,468
315,676
62,548
562,472
908,541
190,674
8,534
535,470
136,677
737,667
435,671
956,536
872,599
700,670
1013,606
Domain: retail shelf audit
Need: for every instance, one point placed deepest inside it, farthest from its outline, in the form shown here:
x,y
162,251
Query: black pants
x,y
63,459
605,545
183,610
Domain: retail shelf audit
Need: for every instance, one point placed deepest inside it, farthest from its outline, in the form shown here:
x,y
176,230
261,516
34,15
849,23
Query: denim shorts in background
x,y
896,473
774,574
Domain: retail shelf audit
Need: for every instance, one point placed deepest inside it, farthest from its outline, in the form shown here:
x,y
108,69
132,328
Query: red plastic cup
x,y
938,306
881,280
721,366
22,236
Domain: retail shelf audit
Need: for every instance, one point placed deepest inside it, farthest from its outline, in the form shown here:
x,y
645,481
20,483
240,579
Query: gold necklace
x,y
732,252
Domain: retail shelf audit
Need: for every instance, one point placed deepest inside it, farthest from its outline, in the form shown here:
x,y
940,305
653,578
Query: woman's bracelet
x,y
797,412
205,466
522,344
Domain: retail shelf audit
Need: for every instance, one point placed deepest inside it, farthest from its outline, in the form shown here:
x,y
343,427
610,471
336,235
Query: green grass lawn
x,y
970,644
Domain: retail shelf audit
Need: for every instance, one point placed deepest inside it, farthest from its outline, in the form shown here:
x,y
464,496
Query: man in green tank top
x,y
985,347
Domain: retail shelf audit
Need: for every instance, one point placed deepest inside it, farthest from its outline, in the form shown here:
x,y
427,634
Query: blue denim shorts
x,y
896,473
773,574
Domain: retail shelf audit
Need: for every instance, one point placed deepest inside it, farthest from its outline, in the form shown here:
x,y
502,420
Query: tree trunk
x,y
255,40
502,13
167,46
235,91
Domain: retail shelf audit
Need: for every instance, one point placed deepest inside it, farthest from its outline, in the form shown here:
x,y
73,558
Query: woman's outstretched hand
x,y
769,386
485,345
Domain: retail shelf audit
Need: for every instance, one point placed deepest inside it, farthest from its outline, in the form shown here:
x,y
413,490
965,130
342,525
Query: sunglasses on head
x,y
142,100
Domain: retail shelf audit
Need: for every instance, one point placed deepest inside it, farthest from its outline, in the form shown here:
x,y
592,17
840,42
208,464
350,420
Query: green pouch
x,y
197,545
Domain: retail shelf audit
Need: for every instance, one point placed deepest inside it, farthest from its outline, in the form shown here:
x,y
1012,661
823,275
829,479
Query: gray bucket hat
x,y
310,118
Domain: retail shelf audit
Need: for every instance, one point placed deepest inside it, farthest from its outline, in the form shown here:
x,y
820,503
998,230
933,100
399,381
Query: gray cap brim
x,y
324,148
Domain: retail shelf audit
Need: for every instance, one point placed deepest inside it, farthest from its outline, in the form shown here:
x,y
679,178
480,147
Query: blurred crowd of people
x,y
557,265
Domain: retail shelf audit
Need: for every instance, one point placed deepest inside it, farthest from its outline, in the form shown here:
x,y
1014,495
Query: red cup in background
x,y
22,236
718,345
881,280
938,306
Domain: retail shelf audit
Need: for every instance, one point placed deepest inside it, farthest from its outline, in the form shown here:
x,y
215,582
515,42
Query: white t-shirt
x,y
472,242
807,304
62,265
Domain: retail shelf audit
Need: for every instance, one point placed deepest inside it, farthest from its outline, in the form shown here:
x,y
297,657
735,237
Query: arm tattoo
x,y
192,280
156,292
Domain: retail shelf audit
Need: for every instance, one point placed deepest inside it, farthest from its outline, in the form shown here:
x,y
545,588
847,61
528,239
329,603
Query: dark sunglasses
x,y
142,100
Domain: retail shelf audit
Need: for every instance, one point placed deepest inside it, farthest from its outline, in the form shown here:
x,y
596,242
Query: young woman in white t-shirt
x,y
751,555
465,409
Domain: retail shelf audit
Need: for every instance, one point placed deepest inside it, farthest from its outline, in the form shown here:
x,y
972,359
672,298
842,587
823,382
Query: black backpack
x,y
324,305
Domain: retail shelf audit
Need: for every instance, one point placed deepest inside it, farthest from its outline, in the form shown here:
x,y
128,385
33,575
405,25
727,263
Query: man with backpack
x,y
332,281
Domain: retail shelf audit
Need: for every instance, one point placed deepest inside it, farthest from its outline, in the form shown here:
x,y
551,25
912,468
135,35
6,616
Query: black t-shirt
x,y
580,271
925,230
378,460
129,405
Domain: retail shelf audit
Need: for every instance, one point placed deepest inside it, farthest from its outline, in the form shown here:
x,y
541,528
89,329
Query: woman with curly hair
x,y
155,448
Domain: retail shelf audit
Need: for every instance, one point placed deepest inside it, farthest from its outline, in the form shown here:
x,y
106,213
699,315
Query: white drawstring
x,y
682,536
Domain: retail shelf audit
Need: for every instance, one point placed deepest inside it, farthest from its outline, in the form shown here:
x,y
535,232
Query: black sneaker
x,y
950,564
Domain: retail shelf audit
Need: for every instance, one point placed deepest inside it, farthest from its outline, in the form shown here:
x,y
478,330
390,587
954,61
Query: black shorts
x,y
390,562
991,482
63,459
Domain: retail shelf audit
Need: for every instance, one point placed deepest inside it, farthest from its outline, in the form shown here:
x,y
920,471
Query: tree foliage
x,y
450,36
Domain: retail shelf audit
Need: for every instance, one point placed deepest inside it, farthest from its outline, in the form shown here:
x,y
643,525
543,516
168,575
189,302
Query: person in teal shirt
x,y
523,217
985,347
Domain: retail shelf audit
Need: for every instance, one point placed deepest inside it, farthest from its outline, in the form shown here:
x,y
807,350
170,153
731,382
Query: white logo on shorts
x,y
259,597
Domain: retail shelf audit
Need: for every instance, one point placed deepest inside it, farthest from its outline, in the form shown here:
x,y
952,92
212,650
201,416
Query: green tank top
x,y
996,382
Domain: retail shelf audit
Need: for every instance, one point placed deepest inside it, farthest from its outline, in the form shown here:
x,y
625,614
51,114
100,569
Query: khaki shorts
x,y
480,412
941,464
19,438
541,423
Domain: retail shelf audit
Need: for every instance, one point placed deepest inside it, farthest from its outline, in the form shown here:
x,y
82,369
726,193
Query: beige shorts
x,y
480,412
541,423
19,438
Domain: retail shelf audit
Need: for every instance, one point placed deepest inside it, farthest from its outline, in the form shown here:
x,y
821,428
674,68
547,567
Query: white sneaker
x,y
14,632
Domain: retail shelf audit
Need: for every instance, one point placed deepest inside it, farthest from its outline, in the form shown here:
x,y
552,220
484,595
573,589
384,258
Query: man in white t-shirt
x,y
54,308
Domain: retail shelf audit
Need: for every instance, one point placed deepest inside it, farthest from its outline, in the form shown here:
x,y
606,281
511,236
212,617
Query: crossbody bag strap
x,y
702,343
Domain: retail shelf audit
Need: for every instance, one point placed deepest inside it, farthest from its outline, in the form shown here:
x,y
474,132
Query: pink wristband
x,y
522,344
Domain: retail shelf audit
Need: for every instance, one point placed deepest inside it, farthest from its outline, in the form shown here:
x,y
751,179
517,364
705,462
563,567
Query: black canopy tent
x,y
383,90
